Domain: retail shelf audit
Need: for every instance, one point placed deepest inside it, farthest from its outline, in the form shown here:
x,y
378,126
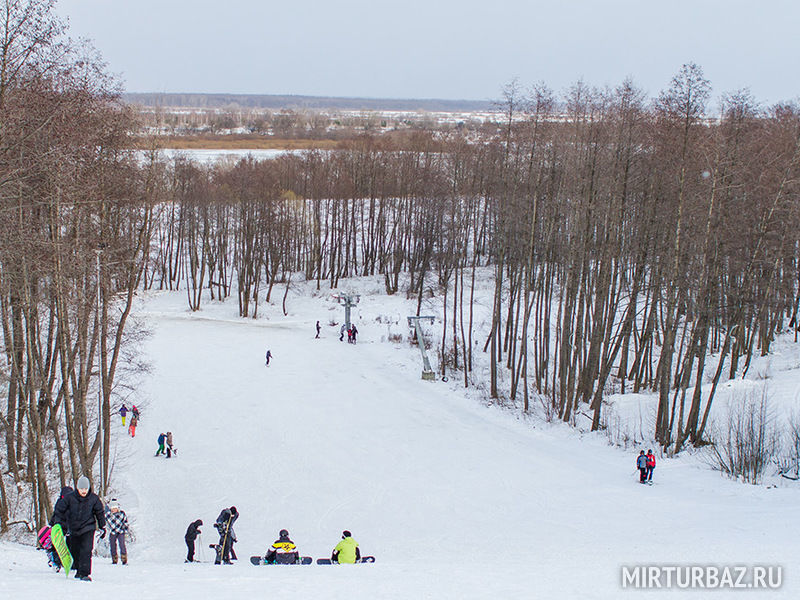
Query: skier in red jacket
x,y
651,464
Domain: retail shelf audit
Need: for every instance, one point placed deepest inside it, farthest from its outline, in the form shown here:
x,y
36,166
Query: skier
x,y
346,551
641,464
58,517
283,551
227,536
342,329
170,449
318,330
135,412
651,465
191,535
82,514
123,410
354,332
117,522
269,355
162,438
132,426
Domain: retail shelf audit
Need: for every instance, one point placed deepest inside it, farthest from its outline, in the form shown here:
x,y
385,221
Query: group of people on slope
x,y
80,513
165,445
352,332
646,463
123,411
227,536
283,551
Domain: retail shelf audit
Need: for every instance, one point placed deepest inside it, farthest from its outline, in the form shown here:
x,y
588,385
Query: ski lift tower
x,y
349,301
413,323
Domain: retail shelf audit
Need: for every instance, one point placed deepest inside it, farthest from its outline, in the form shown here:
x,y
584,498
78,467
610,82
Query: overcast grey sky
x,y
456,49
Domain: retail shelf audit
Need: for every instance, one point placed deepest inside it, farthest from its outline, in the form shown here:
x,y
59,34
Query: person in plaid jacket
x,y
117,522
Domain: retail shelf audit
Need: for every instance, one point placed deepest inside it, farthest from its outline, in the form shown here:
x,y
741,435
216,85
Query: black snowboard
x,y
363,559
259,560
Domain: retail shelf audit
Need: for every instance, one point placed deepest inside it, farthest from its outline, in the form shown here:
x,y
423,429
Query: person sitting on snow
x,y
283,551
346,551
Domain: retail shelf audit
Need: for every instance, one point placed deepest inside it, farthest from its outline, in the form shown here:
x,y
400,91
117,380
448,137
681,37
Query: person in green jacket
x,y
346,551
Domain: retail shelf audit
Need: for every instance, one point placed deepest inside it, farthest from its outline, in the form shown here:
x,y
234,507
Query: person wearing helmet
x,y
346,551
283,551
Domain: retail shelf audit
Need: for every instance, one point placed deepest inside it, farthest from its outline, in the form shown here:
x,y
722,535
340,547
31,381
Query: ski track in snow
x,y
456,500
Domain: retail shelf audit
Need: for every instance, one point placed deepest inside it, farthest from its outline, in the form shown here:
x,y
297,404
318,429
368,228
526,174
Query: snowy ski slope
x,y
456,500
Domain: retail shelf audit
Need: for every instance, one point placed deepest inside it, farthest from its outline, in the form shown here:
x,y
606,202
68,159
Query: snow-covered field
x,y
454,498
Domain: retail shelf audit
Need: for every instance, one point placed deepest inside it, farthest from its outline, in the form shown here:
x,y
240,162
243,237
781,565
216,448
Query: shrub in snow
x,y
748,441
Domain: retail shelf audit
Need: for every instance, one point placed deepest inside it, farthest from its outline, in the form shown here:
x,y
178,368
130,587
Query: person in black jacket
x,y
191,535
283,551
227,536
82,514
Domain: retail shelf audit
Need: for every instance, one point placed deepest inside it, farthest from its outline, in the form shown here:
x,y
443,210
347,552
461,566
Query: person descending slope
x,y
283,551
191,535
346,551
268,357
123,411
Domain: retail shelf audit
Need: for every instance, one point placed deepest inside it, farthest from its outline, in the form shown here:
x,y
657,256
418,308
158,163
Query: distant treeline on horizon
x,y
258,101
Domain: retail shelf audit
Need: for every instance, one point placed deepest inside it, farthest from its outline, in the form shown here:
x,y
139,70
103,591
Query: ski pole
x,y
202,552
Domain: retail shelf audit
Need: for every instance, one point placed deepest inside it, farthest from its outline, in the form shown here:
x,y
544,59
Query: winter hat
x,y
83,483
283,533
113,504
346,534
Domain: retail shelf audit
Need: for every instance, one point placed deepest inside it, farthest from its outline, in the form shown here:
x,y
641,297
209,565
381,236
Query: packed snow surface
x,y
454,498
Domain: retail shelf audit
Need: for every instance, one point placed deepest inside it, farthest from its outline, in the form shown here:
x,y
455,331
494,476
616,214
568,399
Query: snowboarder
x,y
283,551
346,551
82,514
342,329
117,522
269,355
641,464
123,411
170,449
162,438
227,536
353,333
132,426
318,330
191,535
651,465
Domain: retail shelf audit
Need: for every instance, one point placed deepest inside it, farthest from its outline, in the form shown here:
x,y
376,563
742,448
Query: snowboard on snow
x,y
363,559
259,560
60,544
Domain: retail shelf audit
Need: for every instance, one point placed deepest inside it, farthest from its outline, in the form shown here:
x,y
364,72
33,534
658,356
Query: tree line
x,y
627,241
